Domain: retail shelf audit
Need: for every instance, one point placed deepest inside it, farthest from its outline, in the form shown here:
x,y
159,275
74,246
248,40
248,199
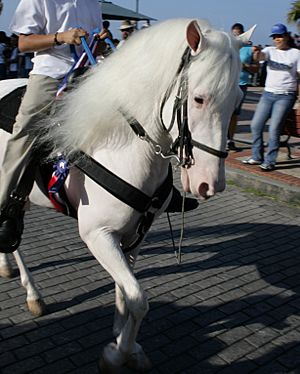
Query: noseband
x,y
184,143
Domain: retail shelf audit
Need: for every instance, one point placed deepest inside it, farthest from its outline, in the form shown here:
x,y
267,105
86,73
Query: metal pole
x,y
137,6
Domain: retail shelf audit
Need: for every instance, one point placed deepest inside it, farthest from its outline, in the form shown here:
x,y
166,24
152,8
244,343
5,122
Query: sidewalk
x,y
284,181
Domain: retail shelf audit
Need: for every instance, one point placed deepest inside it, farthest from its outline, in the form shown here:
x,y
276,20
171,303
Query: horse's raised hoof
x,y
37,307
7,272
139,362
112,359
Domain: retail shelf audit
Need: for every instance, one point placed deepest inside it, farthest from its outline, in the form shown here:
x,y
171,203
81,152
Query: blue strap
x,y
74,53
88,51
110,43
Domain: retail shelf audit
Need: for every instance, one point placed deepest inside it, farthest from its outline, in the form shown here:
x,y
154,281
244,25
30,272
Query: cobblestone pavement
x,y
232,306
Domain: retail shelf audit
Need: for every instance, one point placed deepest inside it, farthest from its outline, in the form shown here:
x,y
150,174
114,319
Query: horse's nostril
x,y
203,189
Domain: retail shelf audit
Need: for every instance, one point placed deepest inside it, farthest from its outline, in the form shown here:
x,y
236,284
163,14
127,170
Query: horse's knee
x,y
138,304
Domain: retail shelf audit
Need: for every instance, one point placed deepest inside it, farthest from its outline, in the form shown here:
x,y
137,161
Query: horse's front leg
x,y
6,270
106,249
34,299
121,311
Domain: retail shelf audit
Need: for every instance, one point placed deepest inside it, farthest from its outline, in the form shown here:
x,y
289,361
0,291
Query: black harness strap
x,y
206,148
184,143
121,189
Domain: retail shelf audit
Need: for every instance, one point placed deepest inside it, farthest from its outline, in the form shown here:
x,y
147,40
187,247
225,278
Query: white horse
x,y
139,84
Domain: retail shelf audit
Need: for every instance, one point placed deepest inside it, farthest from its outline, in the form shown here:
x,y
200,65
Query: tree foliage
x,y
294,13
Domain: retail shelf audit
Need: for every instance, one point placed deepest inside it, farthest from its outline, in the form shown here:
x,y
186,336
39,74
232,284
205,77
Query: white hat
x,y
126,25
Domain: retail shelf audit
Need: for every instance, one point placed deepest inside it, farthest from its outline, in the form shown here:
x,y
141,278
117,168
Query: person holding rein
x,y
29,43
47,28
279,96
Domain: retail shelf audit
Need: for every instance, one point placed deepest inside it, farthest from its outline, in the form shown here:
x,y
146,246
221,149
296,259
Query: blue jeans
x,y
276,107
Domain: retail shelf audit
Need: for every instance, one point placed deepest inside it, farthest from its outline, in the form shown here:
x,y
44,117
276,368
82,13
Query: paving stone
x,y
61,366
236,351
24,366
62,351
234,335
6,359
178,364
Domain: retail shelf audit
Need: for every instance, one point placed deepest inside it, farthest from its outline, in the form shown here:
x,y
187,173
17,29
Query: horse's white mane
x,y
135,79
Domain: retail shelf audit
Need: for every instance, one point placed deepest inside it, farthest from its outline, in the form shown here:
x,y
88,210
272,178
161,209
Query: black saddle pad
x,y
9,106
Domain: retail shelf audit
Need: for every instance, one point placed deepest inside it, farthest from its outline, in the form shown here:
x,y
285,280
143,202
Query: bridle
x,y
183,144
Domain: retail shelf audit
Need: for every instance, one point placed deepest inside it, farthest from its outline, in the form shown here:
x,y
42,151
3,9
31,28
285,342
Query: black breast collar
x,y
121,189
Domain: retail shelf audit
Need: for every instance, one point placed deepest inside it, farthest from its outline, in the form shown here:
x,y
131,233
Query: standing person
x,y
25,64
47,28
278,98
3,49
13,62
126,28
106,25
249,59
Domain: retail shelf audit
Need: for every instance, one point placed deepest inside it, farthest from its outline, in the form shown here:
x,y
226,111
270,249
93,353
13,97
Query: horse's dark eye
x,y
199,100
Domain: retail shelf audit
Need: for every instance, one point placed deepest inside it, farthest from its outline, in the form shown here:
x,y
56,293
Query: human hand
x,y
72,36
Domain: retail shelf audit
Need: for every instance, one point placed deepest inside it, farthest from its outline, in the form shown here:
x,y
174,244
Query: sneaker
x,y
267,167
251,161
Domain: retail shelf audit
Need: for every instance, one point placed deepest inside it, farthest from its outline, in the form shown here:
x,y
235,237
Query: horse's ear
x,y
195,37
246,36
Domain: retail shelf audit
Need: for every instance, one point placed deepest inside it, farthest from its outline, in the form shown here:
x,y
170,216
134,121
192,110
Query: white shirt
x,y
282,69
51,16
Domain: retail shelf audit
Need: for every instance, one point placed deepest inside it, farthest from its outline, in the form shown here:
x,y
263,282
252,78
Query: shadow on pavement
x,y
206,321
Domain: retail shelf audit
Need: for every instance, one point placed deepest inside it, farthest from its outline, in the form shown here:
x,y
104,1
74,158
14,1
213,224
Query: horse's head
x,y
209,77
176,58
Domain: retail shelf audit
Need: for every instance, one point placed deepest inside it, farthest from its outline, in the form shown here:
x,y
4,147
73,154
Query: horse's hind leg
x,y
6,270
106,249
34,299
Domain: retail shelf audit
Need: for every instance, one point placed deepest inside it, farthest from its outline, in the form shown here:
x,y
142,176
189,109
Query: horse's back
x,y
9,85
11,94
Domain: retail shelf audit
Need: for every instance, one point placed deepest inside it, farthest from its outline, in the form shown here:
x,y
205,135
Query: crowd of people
x,y
13,63
16,64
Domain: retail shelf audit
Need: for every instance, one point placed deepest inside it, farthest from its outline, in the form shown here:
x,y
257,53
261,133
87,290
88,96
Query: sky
x,y
222,14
